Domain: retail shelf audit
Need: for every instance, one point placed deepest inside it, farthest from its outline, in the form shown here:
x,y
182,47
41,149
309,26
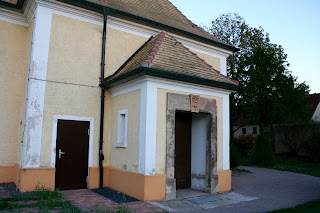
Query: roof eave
x,y
16,7
109,82
99,8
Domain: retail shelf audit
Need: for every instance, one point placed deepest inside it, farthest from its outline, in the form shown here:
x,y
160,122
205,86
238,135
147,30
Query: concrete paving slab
x,y
186,193
215,204
206,199
204,202
181,205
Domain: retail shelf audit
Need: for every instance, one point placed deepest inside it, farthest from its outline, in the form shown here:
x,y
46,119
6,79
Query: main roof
x,y
166,57
157,13
161,11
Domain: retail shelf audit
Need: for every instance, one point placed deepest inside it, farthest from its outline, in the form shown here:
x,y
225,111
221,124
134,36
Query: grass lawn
x,y
41,200
309,207
44,200
297,165
292,164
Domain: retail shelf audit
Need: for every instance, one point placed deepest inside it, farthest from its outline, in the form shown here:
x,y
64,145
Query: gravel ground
x,y
113,195
8,189
274,190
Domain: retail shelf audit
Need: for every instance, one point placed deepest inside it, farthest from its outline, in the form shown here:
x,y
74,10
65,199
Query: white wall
x,y
198,151
249,129
316,114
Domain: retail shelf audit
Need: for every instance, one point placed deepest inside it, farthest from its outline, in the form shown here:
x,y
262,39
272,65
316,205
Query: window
x,y
122,128
254,130
244,131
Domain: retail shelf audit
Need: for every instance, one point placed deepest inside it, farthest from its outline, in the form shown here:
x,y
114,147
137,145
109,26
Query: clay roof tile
x,y
170,56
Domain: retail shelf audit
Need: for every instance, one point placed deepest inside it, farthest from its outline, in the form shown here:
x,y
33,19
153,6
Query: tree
x,y
271,94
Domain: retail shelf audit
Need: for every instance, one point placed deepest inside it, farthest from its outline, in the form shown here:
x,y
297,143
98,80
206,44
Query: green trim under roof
x,y
16,6
168,75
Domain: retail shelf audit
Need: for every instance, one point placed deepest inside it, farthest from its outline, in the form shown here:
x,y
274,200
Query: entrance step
x,y
202,201
186,193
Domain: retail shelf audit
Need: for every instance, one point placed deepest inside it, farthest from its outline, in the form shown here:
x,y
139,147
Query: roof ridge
x,y
193,24
203,61
154,51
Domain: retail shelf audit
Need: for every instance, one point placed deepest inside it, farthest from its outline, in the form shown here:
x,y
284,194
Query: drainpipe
x,y
101,156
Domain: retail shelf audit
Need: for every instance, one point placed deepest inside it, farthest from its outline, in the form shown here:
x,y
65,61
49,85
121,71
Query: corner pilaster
x,y
36,88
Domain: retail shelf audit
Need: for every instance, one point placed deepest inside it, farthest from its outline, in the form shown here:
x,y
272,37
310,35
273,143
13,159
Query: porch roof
x,y
164,56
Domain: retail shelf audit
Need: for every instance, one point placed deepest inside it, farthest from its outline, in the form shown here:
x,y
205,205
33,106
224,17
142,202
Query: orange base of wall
x,y
224,180
142,187
27,179
30,178
7,174
94,177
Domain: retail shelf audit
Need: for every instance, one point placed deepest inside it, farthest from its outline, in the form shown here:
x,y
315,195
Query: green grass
x,y
309,207
44,200
292,164
297,165
41,200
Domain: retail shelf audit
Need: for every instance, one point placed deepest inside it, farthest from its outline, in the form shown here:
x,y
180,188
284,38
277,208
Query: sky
x,y
293,24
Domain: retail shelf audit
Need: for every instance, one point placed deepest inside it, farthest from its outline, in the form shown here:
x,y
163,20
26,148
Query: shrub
x,y
246,144
312,147
235,155
263,154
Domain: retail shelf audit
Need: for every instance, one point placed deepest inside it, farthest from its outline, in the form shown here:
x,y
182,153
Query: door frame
x,y
209,107
55,132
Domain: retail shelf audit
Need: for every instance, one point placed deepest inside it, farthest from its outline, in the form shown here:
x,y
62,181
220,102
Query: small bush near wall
x,y
263,154
235,156
246,144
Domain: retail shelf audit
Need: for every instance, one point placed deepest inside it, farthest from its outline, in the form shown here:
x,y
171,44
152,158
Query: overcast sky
x,y
293,24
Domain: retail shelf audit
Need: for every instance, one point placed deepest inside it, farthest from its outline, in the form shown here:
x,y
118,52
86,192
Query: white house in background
x,y
246,130
315,106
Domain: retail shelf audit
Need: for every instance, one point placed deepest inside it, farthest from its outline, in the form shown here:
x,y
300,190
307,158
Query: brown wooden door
x,y
183,150
72,162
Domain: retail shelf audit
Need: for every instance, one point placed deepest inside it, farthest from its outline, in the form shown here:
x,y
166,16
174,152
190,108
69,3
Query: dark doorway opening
x,y
183,149
72,154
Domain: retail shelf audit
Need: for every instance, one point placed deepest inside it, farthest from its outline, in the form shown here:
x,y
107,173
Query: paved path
x,y
274,190
87,200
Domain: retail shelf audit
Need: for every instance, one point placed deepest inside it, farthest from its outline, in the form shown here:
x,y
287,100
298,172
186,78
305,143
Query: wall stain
x,y
198,176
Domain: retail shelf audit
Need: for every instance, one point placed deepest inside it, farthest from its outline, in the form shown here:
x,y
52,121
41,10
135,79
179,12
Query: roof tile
x,y
171,56
160,11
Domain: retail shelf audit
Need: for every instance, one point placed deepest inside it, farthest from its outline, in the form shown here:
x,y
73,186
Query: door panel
x,y
72,163
183,150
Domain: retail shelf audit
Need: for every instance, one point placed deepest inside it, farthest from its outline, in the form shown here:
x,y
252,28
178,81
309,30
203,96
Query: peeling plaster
x,y
36,89
32,159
